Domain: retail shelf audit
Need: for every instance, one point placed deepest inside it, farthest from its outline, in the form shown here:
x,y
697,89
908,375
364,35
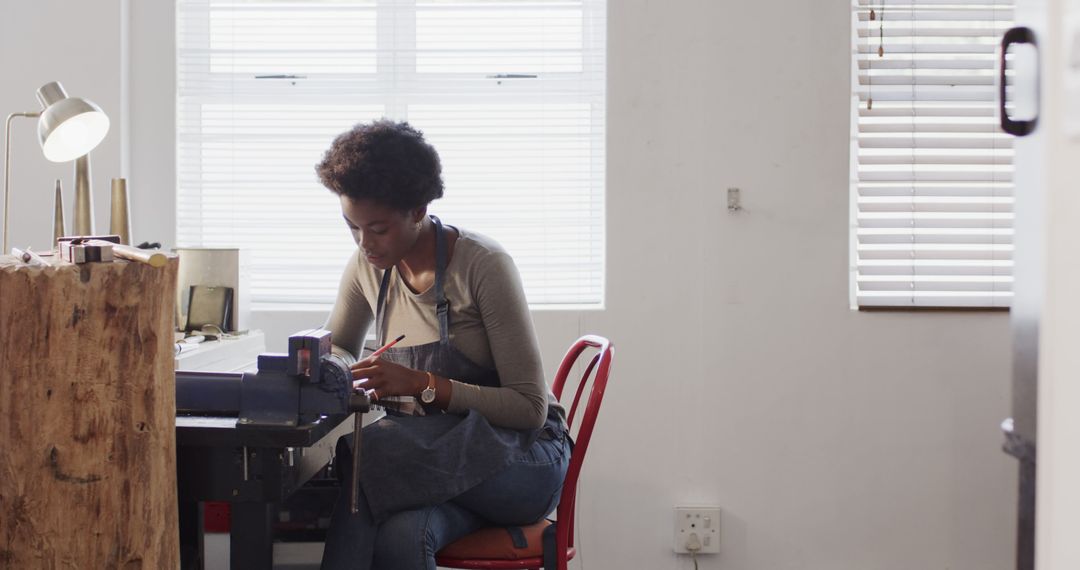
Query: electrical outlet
x,y
704,522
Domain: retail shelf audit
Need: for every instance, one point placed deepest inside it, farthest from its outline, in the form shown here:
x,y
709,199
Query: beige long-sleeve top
x,y
489,323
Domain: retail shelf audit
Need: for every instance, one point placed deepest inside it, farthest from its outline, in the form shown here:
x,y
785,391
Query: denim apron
x,y
408,462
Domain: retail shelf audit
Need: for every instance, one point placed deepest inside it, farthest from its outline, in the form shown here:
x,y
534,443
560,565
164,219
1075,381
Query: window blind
x,y
510,92
933,187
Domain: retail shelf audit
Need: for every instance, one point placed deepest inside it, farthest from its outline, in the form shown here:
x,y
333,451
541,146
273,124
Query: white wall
x,y
832,439
77,44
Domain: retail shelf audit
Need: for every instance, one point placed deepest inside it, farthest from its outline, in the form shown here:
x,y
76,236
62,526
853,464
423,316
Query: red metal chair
x,y
493,547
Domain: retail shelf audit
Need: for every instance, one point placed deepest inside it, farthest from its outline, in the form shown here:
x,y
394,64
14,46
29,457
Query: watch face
x,y
427,396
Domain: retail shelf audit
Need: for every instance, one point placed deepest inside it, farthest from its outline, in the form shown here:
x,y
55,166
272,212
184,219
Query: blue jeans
x,y
523,493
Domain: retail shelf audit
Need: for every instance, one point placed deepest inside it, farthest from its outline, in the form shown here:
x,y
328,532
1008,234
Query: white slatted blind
x,y
933,186
510,92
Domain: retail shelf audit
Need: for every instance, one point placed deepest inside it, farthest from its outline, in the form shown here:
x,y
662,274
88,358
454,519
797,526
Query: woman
x,y
492,447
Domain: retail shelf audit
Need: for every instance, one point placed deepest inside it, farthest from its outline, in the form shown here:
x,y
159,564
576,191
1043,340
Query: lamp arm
x,y
7,167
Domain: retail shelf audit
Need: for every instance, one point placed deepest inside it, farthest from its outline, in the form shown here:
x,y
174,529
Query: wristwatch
x,y
428,395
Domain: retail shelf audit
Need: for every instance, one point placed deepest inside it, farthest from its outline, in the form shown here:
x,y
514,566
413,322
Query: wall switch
x,y
697,525
734,200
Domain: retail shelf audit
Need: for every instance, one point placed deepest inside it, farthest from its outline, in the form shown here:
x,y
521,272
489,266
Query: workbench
x,y
253,438
254,469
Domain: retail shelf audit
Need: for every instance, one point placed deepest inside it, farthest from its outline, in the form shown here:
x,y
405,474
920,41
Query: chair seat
x,y
493,547
495,542
494,564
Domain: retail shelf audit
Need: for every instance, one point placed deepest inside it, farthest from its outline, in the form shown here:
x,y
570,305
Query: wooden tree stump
x,y
87,408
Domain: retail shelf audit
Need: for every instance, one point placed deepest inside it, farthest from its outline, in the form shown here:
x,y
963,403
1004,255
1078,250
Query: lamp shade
x,y
69,127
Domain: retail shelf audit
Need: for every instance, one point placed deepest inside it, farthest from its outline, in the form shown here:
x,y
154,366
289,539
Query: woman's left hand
x,y
387,378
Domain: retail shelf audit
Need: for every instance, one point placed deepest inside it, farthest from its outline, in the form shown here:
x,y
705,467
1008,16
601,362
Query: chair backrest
x,y
597,368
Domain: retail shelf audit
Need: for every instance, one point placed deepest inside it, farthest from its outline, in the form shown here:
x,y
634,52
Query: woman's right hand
x,y
385,378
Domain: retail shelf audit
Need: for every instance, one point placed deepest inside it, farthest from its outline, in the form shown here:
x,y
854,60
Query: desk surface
x,y
226,355
223,432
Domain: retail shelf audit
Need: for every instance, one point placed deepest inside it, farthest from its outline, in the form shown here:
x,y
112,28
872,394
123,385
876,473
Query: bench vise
x,y
288,390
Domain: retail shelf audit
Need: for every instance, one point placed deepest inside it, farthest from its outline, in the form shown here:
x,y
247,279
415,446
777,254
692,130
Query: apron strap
x,y
442,306
379,307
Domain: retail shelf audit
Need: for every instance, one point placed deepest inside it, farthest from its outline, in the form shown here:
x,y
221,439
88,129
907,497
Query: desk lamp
x,y
68,128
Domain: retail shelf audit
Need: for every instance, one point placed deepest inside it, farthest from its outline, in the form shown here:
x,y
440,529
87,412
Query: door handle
x,y
1016,36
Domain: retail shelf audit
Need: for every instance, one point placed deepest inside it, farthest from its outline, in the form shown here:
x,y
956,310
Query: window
x,y
932,170
510,92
